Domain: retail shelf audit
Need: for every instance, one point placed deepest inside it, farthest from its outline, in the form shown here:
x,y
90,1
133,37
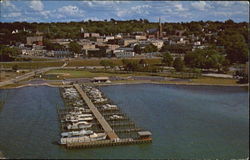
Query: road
x,y
28,75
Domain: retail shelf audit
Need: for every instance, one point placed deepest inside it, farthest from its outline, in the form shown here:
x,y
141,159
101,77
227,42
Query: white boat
x,y
76,133
85,119
116,117
76,139
78,118
98,136
79,125
84,115
80,139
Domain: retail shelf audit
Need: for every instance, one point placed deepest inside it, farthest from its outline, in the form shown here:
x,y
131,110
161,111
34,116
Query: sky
x,y
168,11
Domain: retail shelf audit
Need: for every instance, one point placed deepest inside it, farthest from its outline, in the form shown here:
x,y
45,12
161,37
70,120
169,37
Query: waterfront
x,y
186,122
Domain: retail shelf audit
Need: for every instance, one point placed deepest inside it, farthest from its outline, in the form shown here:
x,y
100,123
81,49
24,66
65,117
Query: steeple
x,y
160,29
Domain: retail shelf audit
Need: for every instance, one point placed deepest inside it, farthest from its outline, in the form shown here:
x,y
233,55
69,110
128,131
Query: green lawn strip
x,y
96,62
32,65
66,73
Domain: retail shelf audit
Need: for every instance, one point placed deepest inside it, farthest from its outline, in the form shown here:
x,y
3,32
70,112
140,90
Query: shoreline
x,y
129,83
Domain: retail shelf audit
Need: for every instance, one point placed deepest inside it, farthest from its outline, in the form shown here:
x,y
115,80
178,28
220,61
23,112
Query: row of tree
x,y
8,54
200,58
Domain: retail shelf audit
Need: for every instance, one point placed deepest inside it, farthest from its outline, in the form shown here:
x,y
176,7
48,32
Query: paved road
x,y
28,75
111,134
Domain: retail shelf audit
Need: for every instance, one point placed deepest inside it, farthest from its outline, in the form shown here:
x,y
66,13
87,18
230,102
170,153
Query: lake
x,y
186,122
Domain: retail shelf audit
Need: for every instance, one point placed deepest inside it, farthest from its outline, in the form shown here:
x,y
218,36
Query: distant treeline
x,y
72,29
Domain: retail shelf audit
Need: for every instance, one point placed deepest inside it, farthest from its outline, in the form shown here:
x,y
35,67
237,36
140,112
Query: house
x,y
157,43
86,35
88,46
126,42
14,31
198,43
113,46
95,34
60,54
107,38
34,52
140,37
100,39
179,32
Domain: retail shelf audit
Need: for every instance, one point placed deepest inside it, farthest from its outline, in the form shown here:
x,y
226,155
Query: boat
x,y
79,125
76,139
80,139
116,117
77,133
78,118
98,136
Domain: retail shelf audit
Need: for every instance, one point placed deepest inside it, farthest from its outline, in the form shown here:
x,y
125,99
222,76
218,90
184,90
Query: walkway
x,y
111,134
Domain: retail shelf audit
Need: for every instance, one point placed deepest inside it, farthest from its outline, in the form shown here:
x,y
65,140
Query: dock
x,y
109,131
107,119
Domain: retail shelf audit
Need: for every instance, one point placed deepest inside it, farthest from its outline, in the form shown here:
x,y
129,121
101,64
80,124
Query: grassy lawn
x,y
212,80
41,63
96,62
32,65
9,75
64,73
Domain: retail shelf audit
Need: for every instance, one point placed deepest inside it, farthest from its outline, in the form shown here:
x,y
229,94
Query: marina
x,y
92,120
33,113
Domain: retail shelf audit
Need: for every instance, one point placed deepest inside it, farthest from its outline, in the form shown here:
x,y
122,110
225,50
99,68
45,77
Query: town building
x,y
35,39
124,52
158,43
126,42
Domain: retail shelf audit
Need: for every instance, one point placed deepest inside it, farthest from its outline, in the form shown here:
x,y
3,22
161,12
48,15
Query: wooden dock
x,y
107,143
107,128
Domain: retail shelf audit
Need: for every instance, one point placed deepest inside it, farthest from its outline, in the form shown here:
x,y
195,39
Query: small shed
x,y
144,134
100,79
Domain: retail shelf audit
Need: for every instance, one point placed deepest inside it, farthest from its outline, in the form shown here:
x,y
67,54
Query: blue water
x,y
186,122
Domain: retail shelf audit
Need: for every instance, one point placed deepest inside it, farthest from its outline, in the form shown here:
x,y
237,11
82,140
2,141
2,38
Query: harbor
x,y
92,120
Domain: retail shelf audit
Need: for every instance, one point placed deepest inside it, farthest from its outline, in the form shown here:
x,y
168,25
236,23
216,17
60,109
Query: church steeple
x,y
160,29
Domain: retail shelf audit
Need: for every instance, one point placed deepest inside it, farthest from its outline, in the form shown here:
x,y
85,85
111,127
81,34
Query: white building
x,y
124,52
157,43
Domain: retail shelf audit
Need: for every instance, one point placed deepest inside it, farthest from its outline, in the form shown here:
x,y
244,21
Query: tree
x,y
206,59
8,54
237,50
75,47
107,63
15,67
104,63
150,48
167,59
178,64
137,49
52,46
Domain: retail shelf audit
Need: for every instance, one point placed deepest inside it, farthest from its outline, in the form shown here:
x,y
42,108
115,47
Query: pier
x,y
111,134
106,119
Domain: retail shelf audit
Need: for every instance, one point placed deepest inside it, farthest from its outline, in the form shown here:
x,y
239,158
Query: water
x,y
186,122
